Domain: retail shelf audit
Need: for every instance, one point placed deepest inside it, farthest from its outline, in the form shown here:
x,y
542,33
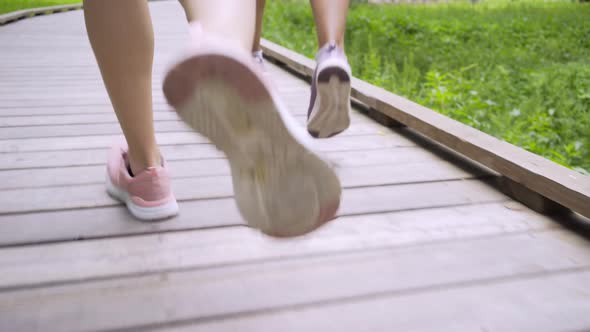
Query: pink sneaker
x,y
147,195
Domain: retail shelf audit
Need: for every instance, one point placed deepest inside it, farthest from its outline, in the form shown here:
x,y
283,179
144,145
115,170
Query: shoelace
x,y
331,47
258,57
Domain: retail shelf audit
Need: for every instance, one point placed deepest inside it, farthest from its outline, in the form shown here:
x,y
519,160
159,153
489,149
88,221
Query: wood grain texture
x,y
422,240
552,303
354,200
154,253
202,295
86,157
110,127
338,143
354,168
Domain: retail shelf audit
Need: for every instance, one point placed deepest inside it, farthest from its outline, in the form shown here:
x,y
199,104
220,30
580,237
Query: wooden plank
x,y
89,142
38,110
202,295
360,127
54,80
63,110
432,170
115,220
40,120
566,187
382,119
70,225
68,158
545,304
94,157
58,102
18,91
530,198
354,200
78,130
296,104
20,14
156,253
339,143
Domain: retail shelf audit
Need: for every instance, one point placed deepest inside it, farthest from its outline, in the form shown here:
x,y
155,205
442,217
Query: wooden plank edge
x,y
31,12
528,174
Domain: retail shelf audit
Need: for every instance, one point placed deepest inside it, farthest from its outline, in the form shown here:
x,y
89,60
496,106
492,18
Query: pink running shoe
x,y
281,186
147,195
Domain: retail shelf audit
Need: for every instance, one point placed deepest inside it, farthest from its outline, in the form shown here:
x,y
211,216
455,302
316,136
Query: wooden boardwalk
x,y
424,242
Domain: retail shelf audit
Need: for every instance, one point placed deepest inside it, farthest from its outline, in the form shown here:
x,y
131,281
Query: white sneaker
x,y
281,187
329,105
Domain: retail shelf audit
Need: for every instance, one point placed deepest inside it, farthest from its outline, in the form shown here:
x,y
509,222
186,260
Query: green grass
x,y
7,6
518,71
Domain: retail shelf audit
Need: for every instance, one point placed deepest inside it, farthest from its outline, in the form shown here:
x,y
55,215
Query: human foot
x,y
147,194
281,187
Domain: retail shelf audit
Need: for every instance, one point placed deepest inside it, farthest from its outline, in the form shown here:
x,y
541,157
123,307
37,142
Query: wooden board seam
x,y
222,197
295,257
352,186
347,299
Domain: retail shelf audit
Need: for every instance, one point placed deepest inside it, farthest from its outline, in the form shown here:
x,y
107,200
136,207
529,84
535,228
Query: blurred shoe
x,y
148,195
329,106
281,187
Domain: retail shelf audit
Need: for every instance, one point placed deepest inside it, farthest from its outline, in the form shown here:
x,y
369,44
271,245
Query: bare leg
x,y
330,20
258,30
188,10
228,19
217,93
122,38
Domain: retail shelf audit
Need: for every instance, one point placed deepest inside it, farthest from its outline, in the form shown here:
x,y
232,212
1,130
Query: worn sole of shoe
x,y
160,212
331,110
281,187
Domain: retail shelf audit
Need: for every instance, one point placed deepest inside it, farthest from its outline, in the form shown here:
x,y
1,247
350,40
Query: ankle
x,y
140,162
332,42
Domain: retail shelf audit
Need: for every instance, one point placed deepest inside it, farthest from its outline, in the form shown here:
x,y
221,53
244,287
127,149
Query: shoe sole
x,y
280,186
159,212
330,114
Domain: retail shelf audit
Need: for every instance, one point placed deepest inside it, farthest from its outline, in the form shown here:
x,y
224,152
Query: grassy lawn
x,y
518,71
12,5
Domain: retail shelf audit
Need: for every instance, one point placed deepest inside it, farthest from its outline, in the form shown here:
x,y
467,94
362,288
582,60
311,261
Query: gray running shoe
x,y
329,106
